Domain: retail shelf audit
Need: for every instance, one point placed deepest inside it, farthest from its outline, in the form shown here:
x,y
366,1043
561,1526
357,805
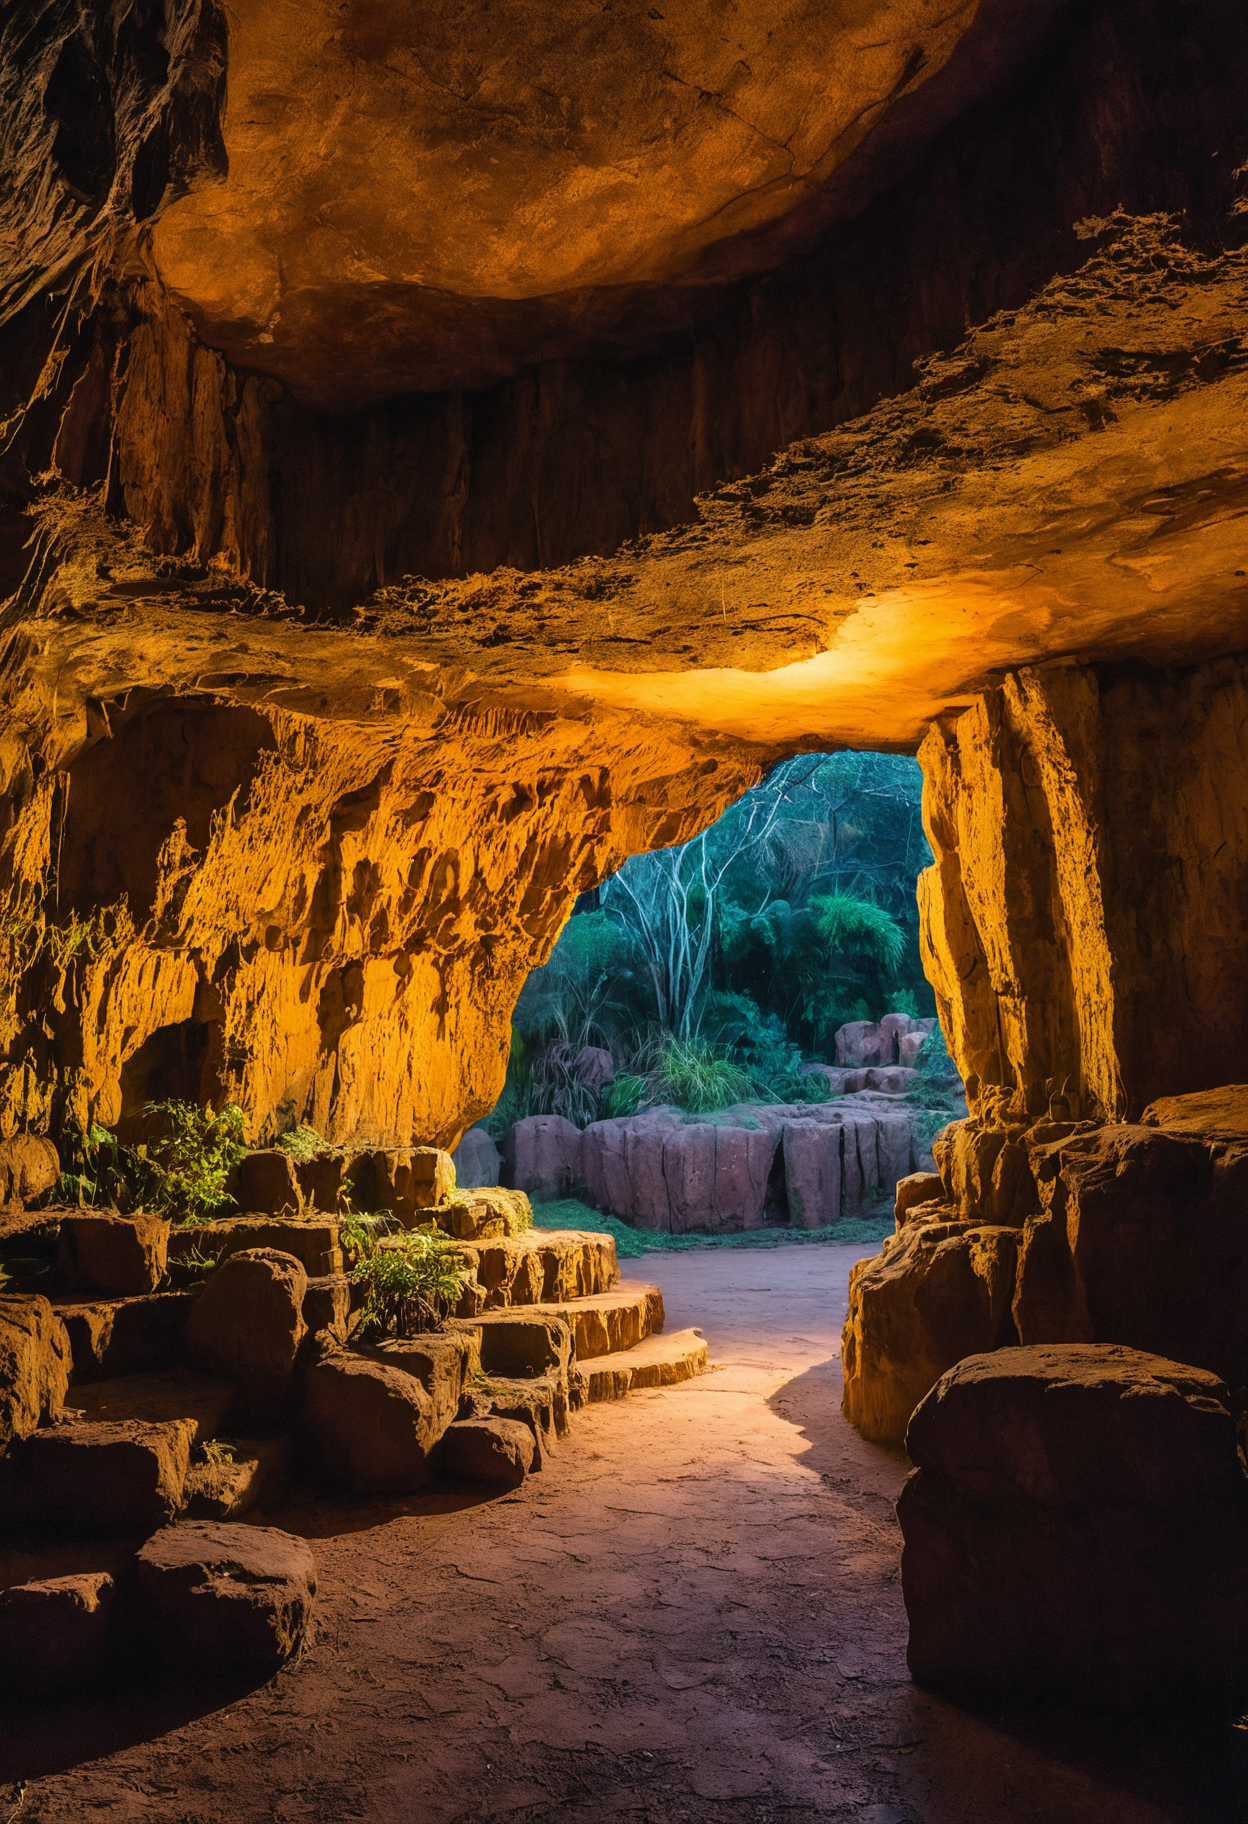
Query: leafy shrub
x,y
181,1172
697,1077
858,926
624,1096
412,1278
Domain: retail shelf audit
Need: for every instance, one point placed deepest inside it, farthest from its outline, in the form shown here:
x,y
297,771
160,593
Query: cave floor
x,y
693,1613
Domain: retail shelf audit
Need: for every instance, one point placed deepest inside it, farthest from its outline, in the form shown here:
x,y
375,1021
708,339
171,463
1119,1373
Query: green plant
x,y
181,1171
624,1095
220,1450
301,1141
412,1278
860,927
698,1077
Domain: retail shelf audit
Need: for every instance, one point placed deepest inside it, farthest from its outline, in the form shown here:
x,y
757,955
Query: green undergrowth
x,y
630,1243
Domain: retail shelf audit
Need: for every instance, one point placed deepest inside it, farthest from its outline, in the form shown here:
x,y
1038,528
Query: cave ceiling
x,y
421,198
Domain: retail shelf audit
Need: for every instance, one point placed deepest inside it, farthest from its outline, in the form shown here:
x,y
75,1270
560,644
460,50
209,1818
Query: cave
x,y
449,453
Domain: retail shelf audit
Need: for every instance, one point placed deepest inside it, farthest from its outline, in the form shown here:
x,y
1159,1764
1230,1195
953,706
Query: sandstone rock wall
x,y
1085,925
325,916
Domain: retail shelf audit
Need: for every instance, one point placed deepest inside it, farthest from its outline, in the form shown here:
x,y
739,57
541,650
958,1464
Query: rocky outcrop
x,y
1078,964
872,1043
939,1292
1133,1234
110,1253
56,1634
805,1163
1076,1528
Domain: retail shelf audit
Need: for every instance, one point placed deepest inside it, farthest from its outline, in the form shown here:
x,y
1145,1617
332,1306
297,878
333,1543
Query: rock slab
x,y
35,1365
1077,1527
217,1599
496,1452
55,1634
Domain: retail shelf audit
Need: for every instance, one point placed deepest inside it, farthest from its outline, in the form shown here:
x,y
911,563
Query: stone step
x,y
255,1474
545,1266
607,1322
658,1361
157,1399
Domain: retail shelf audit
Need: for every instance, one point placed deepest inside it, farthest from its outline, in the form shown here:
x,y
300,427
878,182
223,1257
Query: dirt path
x,y
693,1614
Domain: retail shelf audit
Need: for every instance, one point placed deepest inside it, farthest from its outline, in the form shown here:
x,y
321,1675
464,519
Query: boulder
x,y
892,1028
247,1325
1077,1526
254,1472
477,1161
313,1240
29,1168
834,1075
367,1425
890,1079
216,1600
858,1042
1143,1240
909,1045
56,1635
327,1305
268,1183
107,1253
120,1336
595,1067
935,1293
126,1477
34,1366
496,1452
542,1156
987,1170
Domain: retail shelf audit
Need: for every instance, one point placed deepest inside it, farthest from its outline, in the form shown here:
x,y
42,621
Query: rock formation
x,y
378,760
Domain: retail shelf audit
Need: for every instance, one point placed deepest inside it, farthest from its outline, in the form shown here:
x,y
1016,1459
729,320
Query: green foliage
x,y
696,1076
220,1450
624,1095
859,927
937,1090
301,1141
181,1172
713,971
412,1278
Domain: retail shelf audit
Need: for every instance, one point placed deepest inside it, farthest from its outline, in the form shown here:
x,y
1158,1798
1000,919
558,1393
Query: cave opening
x,y
735,1034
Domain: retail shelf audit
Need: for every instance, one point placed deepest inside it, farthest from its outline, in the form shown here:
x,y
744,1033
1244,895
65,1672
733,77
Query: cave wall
x,y
1085,924
325,917
1130,105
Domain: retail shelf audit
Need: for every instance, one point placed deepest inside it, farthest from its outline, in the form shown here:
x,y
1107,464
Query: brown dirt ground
x,y
692,1616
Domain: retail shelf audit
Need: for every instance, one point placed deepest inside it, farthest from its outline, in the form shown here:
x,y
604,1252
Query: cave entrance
x,y
735,1033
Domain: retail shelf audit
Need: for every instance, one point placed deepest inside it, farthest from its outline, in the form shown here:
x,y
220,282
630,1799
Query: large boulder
x,y
84,1477
219,1600
935,1293
595,1067
477,1161
56,1634
445,1362
35,1363
408,1181
368,1425
247,1325
542,1155
107,1253
29,1168
1077,1525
